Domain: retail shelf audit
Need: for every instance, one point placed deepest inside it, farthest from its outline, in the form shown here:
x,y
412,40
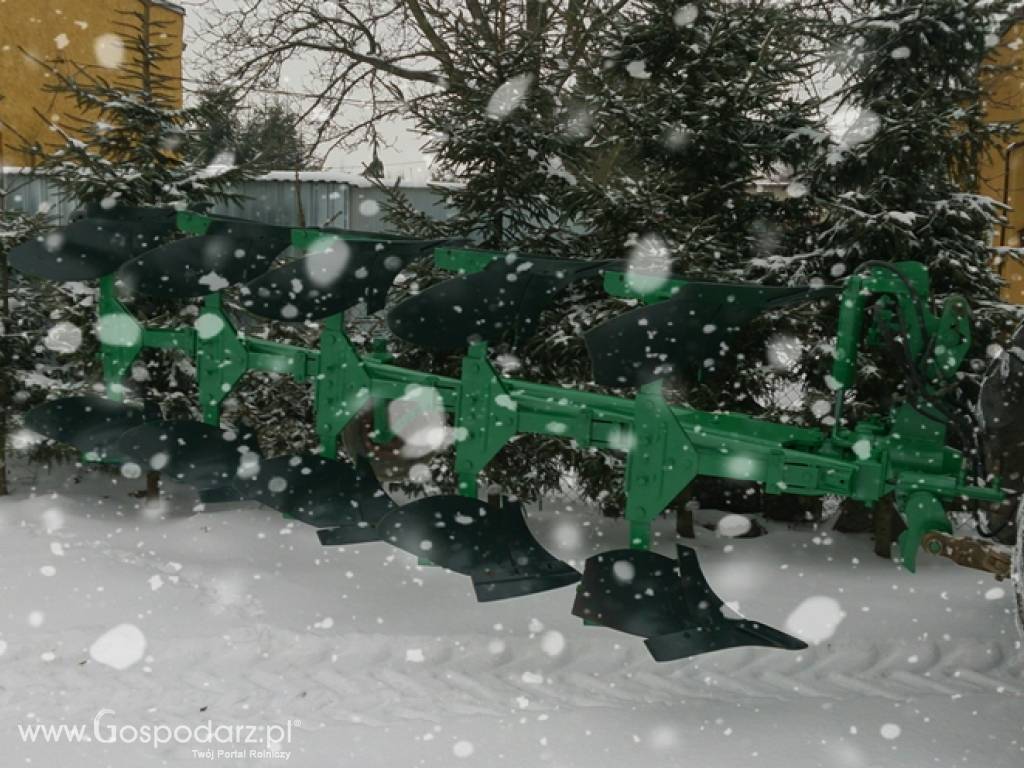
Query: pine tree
x,y
902,182
691,106
125,143
44,341
215,125
656,146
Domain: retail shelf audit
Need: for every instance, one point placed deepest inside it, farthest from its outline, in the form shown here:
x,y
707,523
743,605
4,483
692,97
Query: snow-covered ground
x,y
378,661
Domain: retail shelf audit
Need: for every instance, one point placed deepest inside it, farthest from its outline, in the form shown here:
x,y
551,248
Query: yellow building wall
x,y
85,32
1002,170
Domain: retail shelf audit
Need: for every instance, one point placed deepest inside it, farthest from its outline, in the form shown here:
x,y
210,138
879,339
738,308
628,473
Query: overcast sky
x,y
403,158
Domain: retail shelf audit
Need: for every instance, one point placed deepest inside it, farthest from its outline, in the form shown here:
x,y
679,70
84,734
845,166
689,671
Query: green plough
x,y
678,329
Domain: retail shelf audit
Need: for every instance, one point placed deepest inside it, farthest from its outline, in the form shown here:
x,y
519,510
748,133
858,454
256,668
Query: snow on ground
x,y
236,616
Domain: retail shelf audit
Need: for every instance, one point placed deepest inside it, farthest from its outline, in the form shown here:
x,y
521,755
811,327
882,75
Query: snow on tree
x,y
45,344
567,126
901,183
123,144
651,154
691,107
489,86
264,137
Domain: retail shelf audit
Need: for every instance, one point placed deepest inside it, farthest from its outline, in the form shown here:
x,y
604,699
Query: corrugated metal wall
x,y
34,194
368,206
327,200
324,203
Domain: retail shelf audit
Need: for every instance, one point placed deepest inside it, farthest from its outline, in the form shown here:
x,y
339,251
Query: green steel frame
x,y
666,446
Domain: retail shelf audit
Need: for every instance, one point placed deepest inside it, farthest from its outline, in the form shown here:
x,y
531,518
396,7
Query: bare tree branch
x,y
404,51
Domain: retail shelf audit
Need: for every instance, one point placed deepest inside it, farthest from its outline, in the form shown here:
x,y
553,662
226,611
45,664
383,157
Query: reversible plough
x,y
680,327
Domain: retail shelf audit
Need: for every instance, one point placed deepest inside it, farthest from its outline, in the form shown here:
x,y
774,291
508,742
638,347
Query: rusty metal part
x,y
971,553
389,462
385,459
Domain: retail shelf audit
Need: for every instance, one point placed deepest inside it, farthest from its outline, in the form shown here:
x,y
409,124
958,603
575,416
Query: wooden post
x,y
684,521
684,513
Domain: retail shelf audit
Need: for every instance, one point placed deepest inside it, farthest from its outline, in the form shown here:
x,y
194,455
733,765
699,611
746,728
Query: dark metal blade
x,y
682,335
492,545
634,591
220,494
318,491
667,601
501,583
347,534
735,633
334,276
230,252
503,301
90,423
191,452
96,245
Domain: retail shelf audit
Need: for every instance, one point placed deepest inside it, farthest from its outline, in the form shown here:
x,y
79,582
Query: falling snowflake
x,y
815,619
117,330
109,50
649,264
509,96
120,647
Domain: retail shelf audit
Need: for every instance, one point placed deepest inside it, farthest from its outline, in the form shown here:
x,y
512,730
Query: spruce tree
x,y
499,125
215,125
121,141
266,137
46,346
496,127
670,119
271,140
125,142
901,183
691,106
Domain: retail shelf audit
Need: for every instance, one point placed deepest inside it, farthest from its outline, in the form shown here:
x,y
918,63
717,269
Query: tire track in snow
x,y
255,672
355,677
